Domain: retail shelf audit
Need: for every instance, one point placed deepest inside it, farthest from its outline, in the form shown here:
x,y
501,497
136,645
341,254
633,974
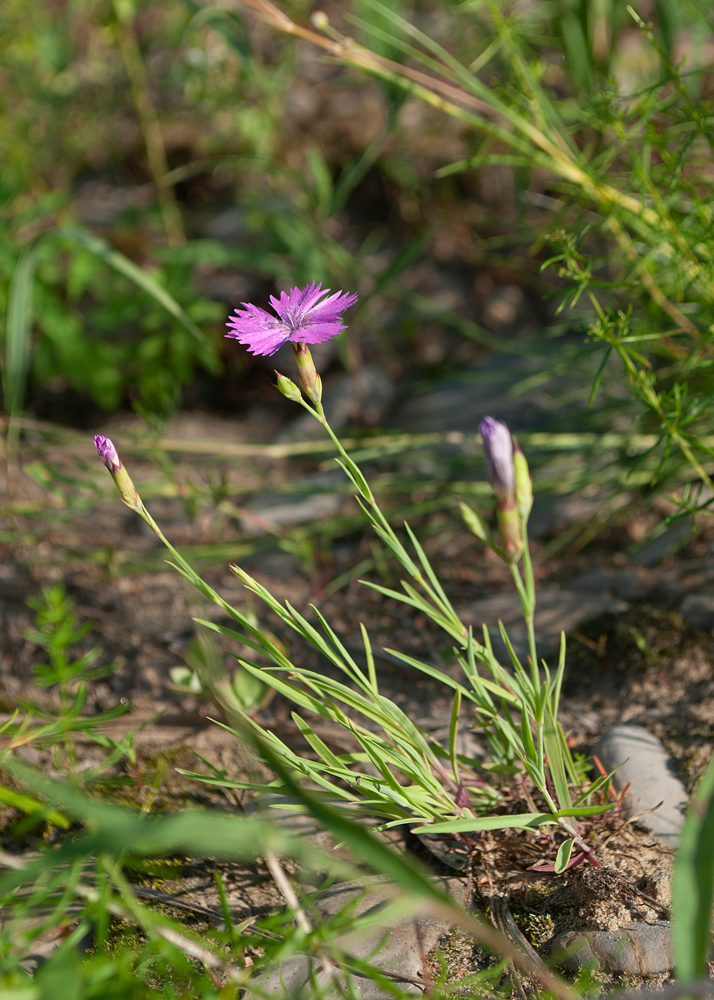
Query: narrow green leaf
x,y
354,669
599,374
266,646
453,733
586,810
361,841
197,833
370,658
693,884
563,856
527,739
354,474
438,589
554,753
31,806
509,648
521,821
295,694
317,744
444,678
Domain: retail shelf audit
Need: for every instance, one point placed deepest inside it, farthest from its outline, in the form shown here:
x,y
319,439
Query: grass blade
x,y
521,821
554,753
693,885
122,265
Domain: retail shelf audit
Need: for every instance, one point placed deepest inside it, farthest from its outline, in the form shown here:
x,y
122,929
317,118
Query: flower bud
x,y
107,452
510,529
498,452
310,380
288,388
122,480
501,471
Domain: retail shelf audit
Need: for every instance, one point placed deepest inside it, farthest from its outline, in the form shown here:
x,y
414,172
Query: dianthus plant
x,y
399,774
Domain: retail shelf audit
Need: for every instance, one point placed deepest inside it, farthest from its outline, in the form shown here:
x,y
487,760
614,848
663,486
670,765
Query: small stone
x,y
698,609
277,565
639,949
644,765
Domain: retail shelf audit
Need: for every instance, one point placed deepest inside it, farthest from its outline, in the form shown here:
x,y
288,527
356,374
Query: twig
x,y
503,919
288,893
425,971
150,127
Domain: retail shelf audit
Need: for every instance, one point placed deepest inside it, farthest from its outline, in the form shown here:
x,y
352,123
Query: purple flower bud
x,y
122,480
498,451
107,452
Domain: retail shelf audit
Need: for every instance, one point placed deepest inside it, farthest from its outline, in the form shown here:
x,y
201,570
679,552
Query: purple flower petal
x,y
107,452
301,317
498,451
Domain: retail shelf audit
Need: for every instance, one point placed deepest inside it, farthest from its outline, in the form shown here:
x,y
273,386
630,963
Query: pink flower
x,y
301,317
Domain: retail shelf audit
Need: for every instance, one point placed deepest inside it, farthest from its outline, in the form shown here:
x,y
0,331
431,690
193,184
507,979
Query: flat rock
x,y
647,769
639,949
666,544
629,584
555,611
313,498
553,513
462,399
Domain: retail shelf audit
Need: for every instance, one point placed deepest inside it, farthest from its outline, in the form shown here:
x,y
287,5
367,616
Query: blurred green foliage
x,y
163,161
135,104
212,154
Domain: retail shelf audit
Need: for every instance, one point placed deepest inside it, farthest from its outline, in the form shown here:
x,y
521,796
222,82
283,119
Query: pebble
x,y
644,770
555,611
629,584
647,769
698,609
461,400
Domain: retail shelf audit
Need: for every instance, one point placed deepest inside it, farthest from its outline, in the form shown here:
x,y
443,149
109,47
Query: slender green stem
x,y
379,519
525,593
